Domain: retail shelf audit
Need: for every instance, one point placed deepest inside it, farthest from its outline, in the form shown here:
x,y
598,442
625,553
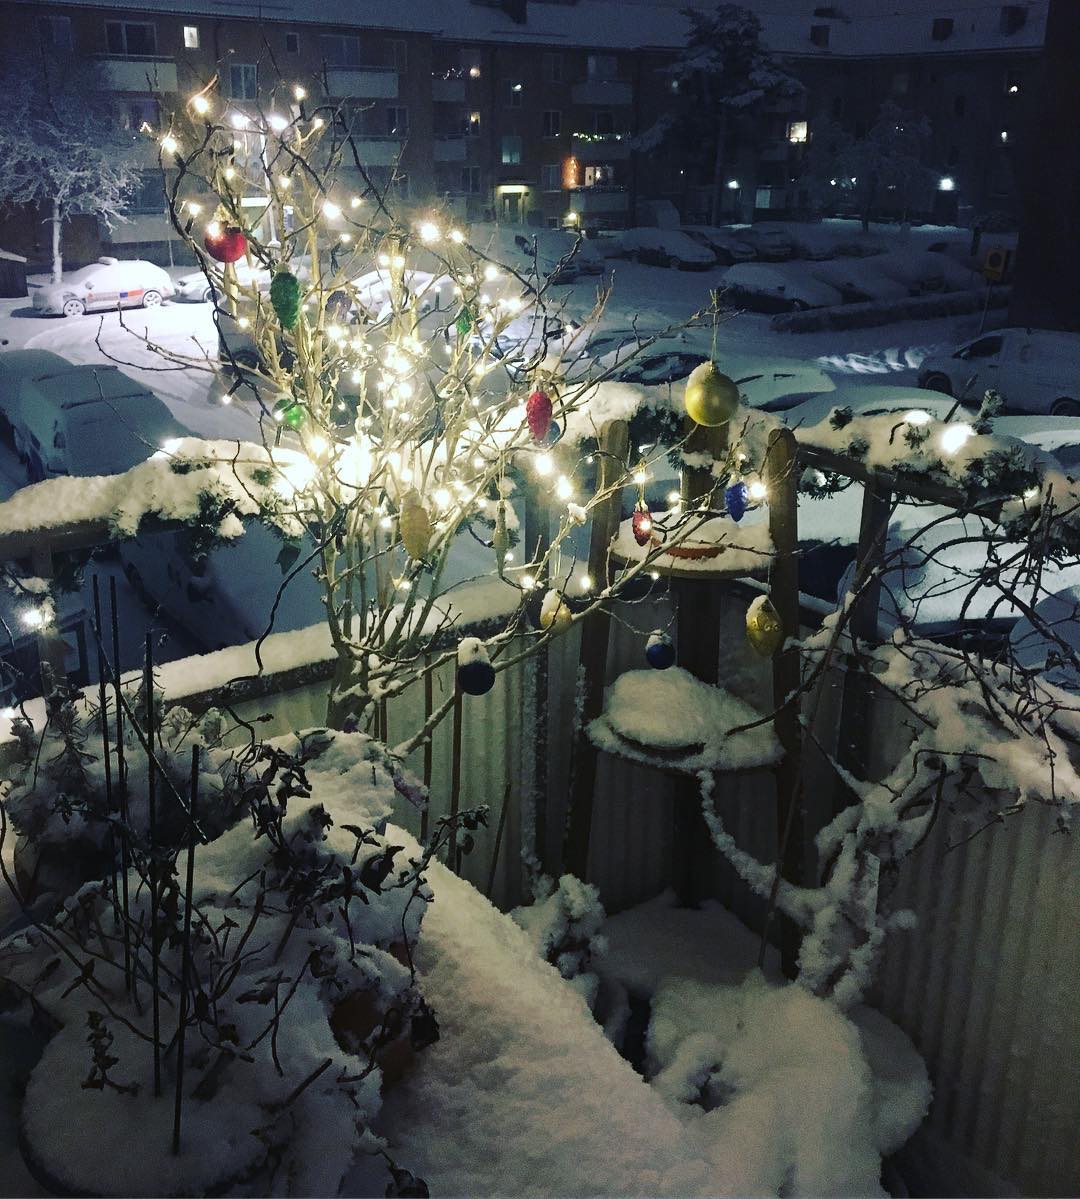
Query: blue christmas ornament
x,y
475,674
476,678
659,652
735,498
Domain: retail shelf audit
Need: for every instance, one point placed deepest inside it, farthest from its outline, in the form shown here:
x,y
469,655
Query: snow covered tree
x,y
722,78
888,158
63,148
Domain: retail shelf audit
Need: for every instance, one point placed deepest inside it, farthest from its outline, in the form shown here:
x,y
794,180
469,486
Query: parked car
x,y
78,420
666,247
790,288
107,283
726,244
1035,370
196,287
771,242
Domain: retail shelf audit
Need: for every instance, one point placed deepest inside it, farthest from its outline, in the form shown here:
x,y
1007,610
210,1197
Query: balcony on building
x,y
362,83
600,200
590,148
136,73
607,92
450,148
448,90
378,151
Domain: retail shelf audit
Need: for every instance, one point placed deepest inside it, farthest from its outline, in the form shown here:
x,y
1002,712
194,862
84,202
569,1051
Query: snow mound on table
x,y
670,711
712,546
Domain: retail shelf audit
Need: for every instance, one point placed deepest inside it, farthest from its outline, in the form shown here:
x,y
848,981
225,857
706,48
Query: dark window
x,y
819,35
985,347
515,90
954,155
397,121
133,38
941,28
1012,83
243,84
150,194
602,66
470,180
397,53
838,107
340,49
553,68
552,122
959,105
54,33
138,111
1013,18
604,123
292,43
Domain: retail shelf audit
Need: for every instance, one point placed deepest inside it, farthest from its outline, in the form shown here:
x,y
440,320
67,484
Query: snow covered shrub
x,y
280,991
563,923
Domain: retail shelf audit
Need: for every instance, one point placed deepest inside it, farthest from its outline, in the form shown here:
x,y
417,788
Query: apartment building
x,y
526,110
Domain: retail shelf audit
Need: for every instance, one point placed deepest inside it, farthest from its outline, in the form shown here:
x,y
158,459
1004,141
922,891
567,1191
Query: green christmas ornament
x,y
285,297
465,322
288,412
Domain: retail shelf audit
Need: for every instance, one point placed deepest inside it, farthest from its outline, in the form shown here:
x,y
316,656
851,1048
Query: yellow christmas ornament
x,y
764,628
711,397
415,526
554,614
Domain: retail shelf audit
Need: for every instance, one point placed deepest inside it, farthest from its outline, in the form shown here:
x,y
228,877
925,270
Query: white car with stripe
x,y
107,283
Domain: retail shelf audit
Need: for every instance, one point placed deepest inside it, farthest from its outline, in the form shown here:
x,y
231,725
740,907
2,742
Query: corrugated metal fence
x,y
987,986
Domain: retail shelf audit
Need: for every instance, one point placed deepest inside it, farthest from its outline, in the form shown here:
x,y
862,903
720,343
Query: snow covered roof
x,y
859,27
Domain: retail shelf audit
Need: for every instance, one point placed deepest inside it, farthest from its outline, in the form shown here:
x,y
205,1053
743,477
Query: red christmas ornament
x,y
641,523
229,245
538,410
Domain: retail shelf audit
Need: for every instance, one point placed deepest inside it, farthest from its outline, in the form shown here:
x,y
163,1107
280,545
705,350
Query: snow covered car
x,y
666,247
788,288
726,244
78,420
196,287
771,243
107,283
1035,370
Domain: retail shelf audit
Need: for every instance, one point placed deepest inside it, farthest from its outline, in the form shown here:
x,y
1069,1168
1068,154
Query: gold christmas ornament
x,y
711,397
554,613
764,628
415,526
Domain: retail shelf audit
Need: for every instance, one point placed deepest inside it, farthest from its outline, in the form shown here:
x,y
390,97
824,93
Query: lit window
x,y
1004,136
191,37
511,149
796,132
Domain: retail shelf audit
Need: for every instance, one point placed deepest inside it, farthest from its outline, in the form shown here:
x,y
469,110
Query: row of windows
x,y
1013,18
551,178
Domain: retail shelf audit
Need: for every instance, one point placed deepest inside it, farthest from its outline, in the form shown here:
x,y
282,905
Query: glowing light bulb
x,y
244,323
226,399
200,104
429,232
405,474
345,238
543,464
239,120
318,444
456,236
953,437
355,202
194,208
641,475
284,182
674,498
398,261
383,260
585,582
330,210
527,582
757,490
491,271
563,489
317,123
1032,493
442,497
230,172
169,144
917,416
277,122
299,92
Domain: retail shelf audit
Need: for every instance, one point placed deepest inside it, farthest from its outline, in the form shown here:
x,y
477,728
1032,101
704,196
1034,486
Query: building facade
x,y
527,111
